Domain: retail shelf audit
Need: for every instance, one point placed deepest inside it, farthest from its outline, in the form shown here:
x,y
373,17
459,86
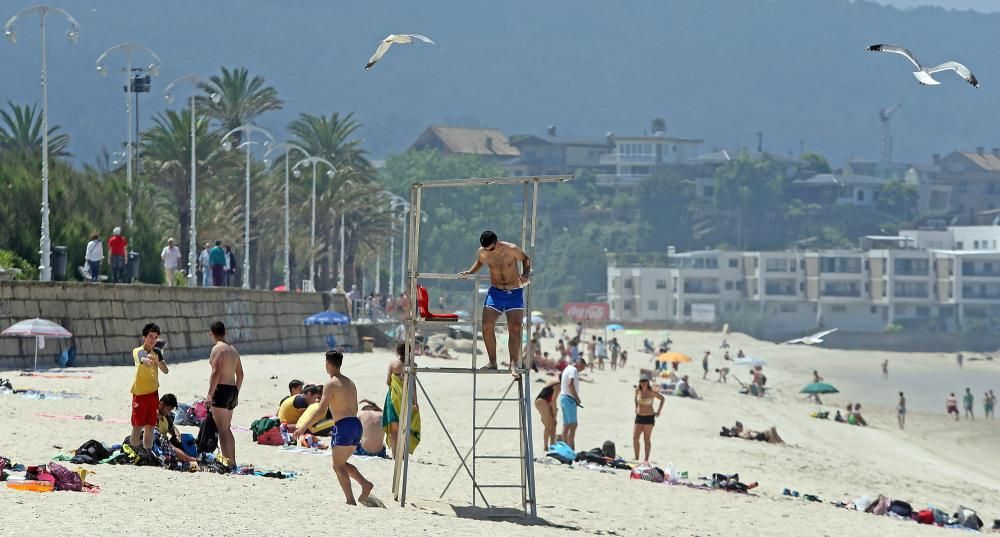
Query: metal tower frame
x,y
411,383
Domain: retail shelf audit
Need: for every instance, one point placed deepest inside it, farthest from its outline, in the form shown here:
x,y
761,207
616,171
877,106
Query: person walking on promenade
x,y
217,260
171,256
204,266
117,249
94,256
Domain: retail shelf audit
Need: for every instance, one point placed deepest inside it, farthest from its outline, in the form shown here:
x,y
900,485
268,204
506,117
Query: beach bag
x,y
925,516
901,508
261,426
200,409
647,473
968,518
608,449
208,436
271,437
94,449
563,451
65,479
189,445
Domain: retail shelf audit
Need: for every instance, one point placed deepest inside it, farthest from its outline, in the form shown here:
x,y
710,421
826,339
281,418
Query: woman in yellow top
x,y
645,417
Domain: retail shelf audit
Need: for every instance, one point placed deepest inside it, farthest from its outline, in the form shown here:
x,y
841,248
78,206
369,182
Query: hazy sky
x,y
978,5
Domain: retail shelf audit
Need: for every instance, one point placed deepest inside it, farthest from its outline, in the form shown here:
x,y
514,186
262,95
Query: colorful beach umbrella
x,y
819,388
537,320
327,318
39,329
673,357
614,327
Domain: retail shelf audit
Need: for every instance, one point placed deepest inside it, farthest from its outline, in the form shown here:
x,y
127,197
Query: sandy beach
x,y
935,461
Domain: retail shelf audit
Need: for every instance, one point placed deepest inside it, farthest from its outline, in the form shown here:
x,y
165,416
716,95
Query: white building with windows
x,y
795,291
636,158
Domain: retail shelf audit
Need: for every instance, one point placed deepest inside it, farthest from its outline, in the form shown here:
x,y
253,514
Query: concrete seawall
x,y
107,320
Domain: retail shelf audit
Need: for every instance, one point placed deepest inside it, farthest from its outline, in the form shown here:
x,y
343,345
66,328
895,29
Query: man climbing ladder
x,y
506,293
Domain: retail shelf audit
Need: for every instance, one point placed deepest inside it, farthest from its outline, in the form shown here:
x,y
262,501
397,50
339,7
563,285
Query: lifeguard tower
x,y
420,316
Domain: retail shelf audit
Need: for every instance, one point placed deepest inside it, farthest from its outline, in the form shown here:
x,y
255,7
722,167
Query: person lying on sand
x,y
737,431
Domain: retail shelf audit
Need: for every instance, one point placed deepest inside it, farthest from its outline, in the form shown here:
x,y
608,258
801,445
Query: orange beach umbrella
x,y
673,358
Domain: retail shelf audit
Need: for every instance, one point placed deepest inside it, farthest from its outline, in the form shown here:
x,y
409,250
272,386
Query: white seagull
x,y
811,340
403,39
922,73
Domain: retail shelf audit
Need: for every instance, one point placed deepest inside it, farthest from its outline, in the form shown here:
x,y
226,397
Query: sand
x,y
934,461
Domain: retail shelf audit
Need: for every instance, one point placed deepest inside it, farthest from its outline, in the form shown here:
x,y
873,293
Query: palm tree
x,y
21,131
243,99
330,138
166,149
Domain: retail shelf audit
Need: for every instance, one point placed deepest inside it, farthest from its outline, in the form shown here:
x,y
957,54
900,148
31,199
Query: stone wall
x,y
107,320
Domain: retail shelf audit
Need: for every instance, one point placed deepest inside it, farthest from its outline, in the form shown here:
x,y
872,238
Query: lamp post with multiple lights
x,y
288,148
216,96
129,49
73,34
246,131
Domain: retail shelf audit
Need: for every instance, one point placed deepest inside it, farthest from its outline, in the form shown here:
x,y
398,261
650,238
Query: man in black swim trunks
x,y
224,388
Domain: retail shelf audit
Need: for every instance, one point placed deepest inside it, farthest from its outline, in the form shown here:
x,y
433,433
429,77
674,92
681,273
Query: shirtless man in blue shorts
x,y
340,395
506,294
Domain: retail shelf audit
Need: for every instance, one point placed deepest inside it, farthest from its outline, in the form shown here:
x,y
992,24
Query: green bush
x,y
9,260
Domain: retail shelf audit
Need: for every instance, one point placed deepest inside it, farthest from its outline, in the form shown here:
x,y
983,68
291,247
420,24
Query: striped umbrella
x,y
39,329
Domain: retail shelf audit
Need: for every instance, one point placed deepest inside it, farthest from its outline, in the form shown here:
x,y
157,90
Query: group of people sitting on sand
x,y
852,416
303,402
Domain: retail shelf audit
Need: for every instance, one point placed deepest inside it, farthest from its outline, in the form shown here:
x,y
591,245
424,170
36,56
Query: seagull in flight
x,y
403,39
922,73
814,339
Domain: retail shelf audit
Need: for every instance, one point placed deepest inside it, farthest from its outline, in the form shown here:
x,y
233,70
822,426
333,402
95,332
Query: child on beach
x,y
145,399
952,406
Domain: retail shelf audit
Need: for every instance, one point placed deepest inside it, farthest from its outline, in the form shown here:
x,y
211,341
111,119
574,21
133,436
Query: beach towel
x,y
390,412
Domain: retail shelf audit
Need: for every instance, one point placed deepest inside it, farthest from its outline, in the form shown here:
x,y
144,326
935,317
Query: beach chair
x,y
423,302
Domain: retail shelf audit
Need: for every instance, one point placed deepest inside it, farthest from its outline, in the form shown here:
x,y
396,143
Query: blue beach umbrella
x,y
327,318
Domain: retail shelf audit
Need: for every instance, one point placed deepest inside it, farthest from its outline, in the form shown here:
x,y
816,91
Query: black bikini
x,y
546,393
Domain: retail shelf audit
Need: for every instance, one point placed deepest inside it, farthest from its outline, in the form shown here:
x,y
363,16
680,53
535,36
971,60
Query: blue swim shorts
x,y
504,300
347,432
568,406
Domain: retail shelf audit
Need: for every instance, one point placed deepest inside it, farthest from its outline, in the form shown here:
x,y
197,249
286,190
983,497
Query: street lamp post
x,y
45,242
193,239
287,147
312,227
246,131
128,49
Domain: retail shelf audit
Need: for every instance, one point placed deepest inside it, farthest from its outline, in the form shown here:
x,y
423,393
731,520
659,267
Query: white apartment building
x,y
636,158
794,291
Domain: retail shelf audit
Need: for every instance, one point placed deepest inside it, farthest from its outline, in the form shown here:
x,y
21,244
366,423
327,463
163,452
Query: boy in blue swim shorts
x,y
506,293
340,395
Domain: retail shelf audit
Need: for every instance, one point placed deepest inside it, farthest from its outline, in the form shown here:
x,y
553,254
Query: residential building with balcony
x,y
635,158
796,291
550,154
974,179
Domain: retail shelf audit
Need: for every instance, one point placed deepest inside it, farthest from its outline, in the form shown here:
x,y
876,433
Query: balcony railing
x,y
701,289
611,159
982,296
625,179
849,293
983,273
779,291
911,272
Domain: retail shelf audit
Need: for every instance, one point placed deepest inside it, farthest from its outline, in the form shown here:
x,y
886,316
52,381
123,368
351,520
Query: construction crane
x,y
885,115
